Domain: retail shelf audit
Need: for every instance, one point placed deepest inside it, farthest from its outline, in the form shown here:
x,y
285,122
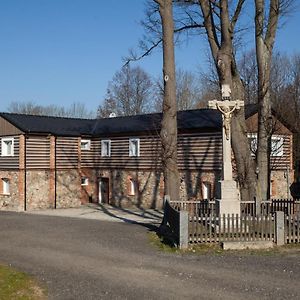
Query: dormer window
x,y
7,147
85,144
134,147
105,148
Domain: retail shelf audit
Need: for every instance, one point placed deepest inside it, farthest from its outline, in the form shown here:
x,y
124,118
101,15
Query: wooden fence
x,y
197,222
212,228
288,206
292,229
248,208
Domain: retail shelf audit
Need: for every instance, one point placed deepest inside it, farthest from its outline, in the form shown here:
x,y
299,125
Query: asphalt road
x,y
91,259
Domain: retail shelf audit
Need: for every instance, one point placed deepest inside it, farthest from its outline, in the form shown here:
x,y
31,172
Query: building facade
x,y
48,162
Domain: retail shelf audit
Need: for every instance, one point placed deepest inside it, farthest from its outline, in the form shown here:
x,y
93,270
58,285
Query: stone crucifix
x,y
226,107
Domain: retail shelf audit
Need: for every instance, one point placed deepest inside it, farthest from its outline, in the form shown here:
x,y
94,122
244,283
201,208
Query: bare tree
x,y
188,91
129,93
75,110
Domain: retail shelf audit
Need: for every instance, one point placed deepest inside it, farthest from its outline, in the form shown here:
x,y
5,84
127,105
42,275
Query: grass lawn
x,y
18,285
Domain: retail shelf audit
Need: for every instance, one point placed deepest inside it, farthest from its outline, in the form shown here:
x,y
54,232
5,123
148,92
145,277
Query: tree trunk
x,y
240,145
168,132
264,38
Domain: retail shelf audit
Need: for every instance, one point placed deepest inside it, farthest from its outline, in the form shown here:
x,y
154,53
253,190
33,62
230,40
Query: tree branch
x,y
236,14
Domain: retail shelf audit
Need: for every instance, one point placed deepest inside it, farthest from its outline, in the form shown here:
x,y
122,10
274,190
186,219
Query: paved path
x,y
80,258
106,213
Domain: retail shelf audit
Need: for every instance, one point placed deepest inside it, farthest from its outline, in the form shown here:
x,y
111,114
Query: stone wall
x,y
68,188
149,187
89,193
280,184
37,190
10,201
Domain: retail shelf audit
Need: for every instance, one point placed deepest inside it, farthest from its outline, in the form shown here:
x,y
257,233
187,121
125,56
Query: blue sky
x,y
65,51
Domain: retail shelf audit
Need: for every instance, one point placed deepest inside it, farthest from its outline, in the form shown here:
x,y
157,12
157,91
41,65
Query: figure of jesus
x,y
227,113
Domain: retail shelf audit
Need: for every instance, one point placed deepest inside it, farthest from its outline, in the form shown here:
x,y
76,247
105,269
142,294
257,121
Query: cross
x,y
226,107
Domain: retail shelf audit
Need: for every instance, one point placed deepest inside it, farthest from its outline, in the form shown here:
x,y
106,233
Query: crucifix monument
x,y
228,202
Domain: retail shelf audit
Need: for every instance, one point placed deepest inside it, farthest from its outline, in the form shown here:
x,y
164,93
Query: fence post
x,y
183,229
279,228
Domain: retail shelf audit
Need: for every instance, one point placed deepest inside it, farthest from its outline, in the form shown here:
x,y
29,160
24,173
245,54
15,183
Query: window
x,y
276,144
105,148
5,186
84,181
132,187
7,147
252,137
206,190
134,147
85,144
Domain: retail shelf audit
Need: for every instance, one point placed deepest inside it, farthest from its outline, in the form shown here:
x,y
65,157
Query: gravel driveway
x,y
91,259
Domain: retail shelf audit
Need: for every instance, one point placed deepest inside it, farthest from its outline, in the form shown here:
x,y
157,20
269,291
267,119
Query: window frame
x,y
5,186
4,146
103,142
131,141
86,181
279,152
88,143
133,187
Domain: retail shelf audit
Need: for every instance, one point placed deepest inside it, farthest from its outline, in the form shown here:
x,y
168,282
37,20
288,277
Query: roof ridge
x,y
45,116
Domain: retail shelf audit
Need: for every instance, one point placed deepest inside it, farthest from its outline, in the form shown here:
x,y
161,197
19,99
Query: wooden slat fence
x,y
212,228
204,226
288,206
292,228
195,208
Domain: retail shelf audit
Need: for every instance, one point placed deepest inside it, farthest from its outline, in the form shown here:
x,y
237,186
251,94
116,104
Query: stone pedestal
x,y
228,201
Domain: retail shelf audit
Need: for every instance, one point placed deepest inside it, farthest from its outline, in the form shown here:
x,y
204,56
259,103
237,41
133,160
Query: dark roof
x,y
190,119
50,125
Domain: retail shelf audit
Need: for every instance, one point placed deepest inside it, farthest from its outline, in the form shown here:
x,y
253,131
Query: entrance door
x,y
103,190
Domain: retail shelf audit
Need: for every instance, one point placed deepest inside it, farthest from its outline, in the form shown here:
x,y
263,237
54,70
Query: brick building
x,y
50,162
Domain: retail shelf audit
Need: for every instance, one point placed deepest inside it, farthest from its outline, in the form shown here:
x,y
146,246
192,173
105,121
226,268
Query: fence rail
x,y
248,208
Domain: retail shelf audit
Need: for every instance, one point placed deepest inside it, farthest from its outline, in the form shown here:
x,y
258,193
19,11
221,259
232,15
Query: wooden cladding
x,y
7,128
195,151
200,151
11,162
67,152
37,152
